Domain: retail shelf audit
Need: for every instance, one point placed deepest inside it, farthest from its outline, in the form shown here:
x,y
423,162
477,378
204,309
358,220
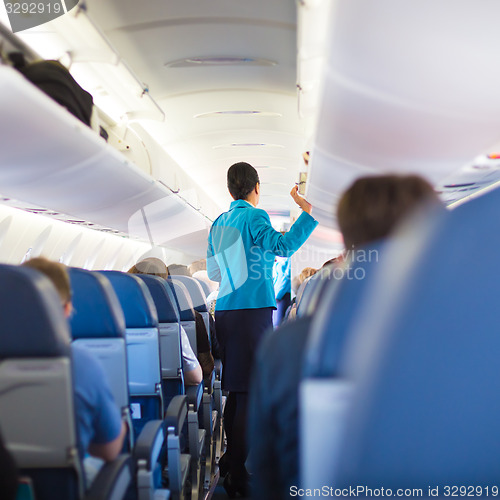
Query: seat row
x,y
400,383
116,319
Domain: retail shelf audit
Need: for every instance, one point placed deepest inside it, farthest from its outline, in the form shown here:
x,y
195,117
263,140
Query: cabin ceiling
x,y
240,105
405,87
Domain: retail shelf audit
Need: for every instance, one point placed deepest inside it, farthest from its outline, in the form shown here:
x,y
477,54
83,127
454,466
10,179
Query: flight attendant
x,y
242,246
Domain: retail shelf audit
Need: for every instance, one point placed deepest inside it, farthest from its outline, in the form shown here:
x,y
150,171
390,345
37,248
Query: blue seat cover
x,y
135,299
426,409
31,316
163,298
182,300
337,310
96,310
195,291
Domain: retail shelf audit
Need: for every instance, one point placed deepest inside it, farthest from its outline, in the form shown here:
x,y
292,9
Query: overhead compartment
x,y
50,159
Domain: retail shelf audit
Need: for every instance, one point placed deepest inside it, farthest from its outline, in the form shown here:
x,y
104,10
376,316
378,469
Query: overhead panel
x,y
399,99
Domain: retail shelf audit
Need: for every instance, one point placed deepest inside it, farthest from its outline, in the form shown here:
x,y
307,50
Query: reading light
x,y
247,145
214,114
190,62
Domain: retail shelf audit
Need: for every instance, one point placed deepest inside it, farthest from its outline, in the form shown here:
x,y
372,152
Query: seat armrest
x,y
113,480
218,369
176,413
194,394
209,381
150,442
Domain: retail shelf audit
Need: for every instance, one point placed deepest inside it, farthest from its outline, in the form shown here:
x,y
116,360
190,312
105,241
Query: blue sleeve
x,y
283,245
98,417
213,270
108,422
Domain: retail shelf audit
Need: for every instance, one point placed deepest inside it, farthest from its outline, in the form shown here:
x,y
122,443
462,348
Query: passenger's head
x,y
58,274
242,180
178,270
198,265
150,265
307,272
371,208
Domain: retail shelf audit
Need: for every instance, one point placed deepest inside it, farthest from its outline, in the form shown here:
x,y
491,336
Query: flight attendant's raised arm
x,y
301,202
283,245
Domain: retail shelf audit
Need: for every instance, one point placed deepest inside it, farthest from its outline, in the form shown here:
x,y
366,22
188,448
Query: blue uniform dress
x,y
242,246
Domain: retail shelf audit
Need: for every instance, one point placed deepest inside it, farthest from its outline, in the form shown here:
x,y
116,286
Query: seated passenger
x,y
101,431
307,272
198,270
193,374
367,211
178,270
282,283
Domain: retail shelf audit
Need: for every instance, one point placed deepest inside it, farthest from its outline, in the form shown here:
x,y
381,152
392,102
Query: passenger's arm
x,y
109,451
203,342
207,362
193,374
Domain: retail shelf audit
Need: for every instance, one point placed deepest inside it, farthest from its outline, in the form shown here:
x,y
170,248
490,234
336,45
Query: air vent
x,y
192,62
214,114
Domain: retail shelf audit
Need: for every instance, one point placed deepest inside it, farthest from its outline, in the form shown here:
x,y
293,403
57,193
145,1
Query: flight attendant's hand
x,y
301,202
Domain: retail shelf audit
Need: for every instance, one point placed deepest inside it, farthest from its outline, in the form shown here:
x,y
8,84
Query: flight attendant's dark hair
x,y
241,180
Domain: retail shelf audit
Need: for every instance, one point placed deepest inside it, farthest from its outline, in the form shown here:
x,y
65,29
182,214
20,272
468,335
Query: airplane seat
x,y
322,393
201,441
143,347
301,290
143,351
98,324
210,415
170,335
204,286
198,297
325,275
425,410
37,413
186,310
311,285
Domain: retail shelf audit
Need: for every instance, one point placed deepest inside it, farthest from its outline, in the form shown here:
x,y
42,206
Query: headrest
x,y
195,291
338,308
427,404
163,297
32,322
308,291
204,285
325,275
96,310
183,300
135,299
